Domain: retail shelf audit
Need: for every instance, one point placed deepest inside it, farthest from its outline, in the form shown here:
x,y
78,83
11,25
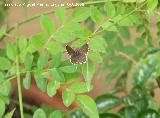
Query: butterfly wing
x,y
82,58
70,50
78,58
84,49
78,55
74,59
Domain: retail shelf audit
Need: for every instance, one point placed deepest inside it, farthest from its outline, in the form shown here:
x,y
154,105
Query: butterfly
x,y
78,55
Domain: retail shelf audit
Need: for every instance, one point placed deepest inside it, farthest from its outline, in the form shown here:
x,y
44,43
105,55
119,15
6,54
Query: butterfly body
x,y
78,55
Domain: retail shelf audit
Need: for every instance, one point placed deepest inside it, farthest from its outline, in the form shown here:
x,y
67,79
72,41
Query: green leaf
x,y
28,61
95,56
52,87
37,41
149,114
129,112
140,42
39,113
88,73
79,43
2,107
22,43
63,35
81,13
3,52
57,75
5,63
11,51
158,24
6,99
77,114
47,108
55,114
1,77
113,74
109,26
68,69
27,81
47,24
69,77
68,97
60,14
88,105
121,82
42,60
106,102
55,48
5,88
158,34
79,87
3,30
76,29
123,20
96,15
41,81
109,115
10,114
97,44
152,4
109,9
56,60
120,7
146,69
124,31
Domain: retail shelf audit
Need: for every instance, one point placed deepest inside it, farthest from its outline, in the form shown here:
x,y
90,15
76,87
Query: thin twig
x,y
127,57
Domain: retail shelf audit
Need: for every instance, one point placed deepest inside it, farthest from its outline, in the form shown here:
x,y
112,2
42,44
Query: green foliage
x,y
79,87
152,4
2,107
96,15
52,87
106,102
97,44
149,113
11,51
47,24
28,61
10,114
109,115
81,13
60,14
109,9
3,30
147,68
55,114
55,48
27,81
87,105
39,113
6,63
42,60
57,75
68,97
88,70
105,26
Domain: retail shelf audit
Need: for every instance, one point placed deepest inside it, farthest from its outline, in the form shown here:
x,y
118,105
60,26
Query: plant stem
x,y
47,13
19,86
127,57
27,106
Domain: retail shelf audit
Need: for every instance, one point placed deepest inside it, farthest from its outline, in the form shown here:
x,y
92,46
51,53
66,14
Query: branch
x,y
50,12
127,57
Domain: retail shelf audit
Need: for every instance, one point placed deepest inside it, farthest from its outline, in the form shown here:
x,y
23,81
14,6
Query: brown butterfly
x,y
78,55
